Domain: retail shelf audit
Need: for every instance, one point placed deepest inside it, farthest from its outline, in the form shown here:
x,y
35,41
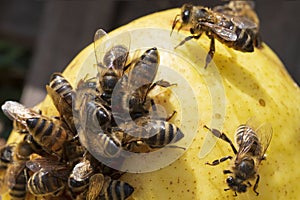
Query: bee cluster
x,y
58,157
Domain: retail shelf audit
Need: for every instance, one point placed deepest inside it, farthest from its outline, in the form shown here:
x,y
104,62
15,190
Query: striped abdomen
x,y
246,136
42,183
61,86
117,190
162,133
48,134
18,190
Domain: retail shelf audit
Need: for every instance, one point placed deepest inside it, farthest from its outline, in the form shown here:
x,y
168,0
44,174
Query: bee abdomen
x,y
18,191
60,85
41,183
97,115
46,133
111,145
117,190
163,133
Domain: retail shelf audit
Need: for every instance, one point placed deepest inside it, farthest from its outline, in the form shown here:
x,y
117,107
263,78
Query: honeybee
x,y
235,32
80,176
111,62
253,141
50,134
62,95
153,134
49,177
135,88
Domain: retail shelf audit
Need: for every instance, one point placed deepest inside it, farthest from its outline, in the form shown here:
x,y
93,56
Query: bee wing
x,y
243,22
263,131
224,33
95,186
13,171
16,111
54,167
103,43
99,53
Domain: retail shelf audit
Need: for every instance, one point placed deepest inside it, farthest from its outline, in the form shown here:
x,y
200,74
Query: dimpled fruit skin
x,y
255,84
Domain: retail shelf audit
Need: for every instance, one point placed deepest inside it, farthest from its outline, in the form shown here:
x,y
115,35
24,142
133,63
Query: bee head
x,y
236,185
186,13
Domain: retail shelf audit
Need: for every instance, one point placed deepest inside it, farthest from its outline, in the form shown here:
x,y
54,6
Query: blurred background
x,y
39,37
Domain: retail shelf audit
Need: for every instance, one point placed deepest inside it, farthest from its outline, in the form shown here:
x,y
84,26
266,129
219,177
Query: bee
x,y
49,177
62,95
81,173
50,134
152,134
133,94
92,112
252,141
236,34
111,62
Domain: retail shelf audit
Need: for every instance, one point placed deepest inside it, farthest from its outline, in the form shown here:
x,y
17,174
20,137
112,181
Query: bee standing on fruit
x,y
235,32
253,140
111,62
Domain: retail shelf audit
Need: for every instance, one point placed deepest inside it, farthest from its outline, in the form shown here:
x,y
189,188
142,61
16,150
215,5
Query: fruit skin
x,y
255,84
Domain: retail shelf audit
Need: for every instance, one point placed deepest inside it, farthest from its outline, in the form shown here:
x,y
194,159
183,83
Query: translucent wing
x,y
243,22
16,111
54,167
104,47
95,186
263,131
99,53
224,33
13,172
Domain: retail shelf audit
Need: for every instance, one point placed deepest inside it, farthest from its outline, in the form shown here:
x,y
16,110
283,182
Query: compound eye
x,y
185,16
230,180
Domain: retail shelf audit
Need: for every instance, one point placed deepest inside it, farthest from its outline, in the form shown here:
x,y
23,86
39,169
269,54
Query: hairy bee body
x,y
43,183
18,189
115,190
49,134
252,140
234,30
62,95
80,176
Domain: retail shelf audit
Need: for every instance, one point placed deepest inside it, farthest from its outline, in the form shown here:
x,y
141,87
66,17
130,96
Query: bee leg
x,y
222,136
171,116
218,161
189,38
256,185
211,52
227,171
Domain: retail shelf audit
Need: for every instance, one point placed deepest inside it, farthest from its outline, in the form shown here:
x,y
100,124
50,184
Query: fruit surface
x,y
235,87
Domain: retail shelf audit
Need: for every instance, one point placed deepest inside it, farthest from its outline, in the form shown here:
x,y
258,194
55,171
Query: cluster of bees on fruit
x,y
53,159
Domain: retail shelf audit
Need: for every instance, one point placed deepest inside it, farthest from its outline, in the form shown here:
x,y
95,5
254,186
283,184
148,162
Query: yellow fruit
x,y
234,88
